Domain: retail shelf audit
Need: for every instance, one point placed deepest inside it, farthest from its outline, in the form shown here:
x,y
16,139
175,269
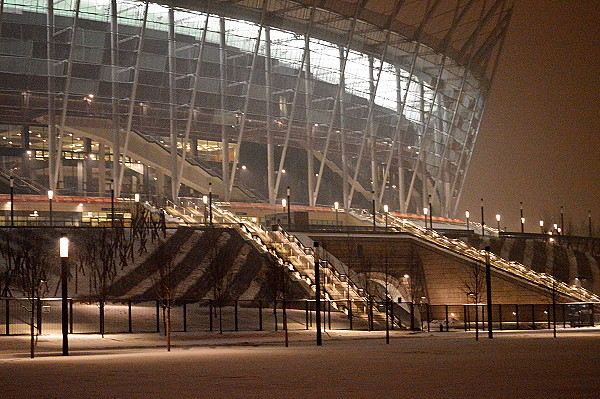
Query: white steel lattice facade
x,y
340,100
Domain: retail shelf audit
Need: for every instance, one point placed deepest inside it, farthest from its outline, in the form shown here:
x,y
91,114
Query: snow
x,y
350,364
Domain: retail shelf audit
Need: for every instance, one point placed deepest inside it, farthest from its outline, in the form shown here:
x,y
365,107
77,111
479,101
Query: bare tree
x,y
473,287
279,289
164,287
27,264
219,279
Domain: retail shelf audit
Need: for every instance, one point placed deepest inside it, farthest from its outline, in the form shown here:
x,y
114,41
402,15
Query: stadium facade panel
x,y
349,101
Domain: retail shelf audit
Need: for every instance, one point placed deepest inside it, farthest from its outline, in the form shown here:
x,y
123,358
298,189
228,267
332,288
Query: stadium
x,y
342,101
250,130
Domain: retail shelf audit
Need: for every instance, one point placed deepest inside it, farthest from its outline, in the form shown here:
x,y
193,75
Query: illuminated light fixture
x,y
136,197
542,223
555,226
284,202
498,217
50,194
336,205
282,170
467,214
80,205
406,276
425,211
523,220
386,208
205,199
64,247
244,167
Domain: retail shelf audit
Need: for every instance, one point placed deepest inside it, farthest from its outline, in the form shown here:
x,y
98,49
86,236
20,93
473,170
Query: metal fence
x,y
138,316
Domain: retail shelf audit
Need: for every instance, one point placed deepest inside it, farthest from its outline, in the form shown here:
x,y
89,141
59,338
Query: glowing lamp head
x,y
406,276
64,247
284,202
467,214
498,217
541,223
205,199
555,226
425,211
136,197
386,208
336,205
522,220
50,194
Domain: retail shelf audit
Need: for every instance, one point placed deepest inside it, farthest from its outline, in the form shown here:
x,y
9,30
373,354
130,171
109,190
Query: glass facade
x,y
400,124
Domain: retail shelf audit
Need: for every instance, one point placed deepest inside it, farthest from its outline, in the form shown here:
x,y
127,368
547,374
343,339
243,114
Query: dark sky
x,y
540,137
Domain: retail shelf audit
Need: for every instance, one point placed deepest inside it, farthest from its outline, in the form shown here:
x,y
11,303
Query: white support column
x,y
114,60
67,90
309,125
133,95
270,149
191,107
172,101
51,96
290,122
101,169
223,102
397,139
422,158
236,158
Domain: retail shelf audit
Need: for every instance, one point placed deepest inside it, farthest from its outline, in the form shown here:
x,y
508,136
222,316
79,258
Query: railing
x,y
457,246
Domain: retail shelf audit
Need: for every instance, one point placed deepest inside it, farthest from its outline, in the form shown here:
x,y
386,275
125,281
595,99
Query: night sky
x,y
540,138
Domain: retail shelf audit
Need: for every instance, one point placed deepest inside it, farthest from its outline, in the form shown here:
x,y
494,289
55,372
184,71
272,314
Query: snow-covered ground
x,y
348,365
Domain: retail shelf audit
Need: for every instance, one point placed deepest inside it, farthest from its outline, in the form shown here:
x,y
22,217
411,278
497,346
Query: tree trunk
x,y
32,330
168,329
285,327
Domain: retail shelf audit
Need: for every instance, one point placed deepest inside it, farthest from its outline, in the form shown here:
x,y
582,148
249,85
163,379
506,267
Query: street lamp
x,y
425,212
210,213
498,220
542,226
386,210
590,222
522,218
482,220
50,197
64,276
289,213
136,197
373,203
467,214
430,214
205,202
12,200
336,206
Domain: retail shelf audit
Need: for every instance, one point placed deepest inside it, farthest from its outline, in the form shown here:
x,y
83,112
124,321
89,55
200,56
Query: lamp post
x,y
284,206
590,222
467,214
336,206
64,277
12,200
50,197
205,202
373,203
386,210
210,213
317,294
488,284
289,212
112,202
425,213
522,218
562,219
498,220
430,214
482,220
